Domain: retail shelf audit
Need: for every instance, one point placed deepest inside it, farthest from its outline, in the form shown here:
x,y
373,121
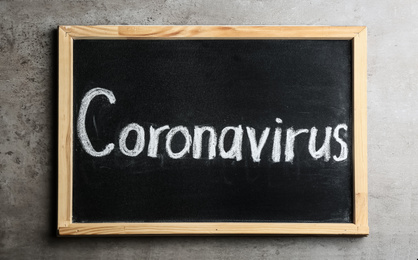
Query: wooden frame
x,y
65,138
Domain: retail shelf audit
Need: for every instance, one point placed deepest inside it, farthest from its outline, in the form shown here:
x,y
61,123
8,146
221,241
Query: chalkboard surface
x,y
271,106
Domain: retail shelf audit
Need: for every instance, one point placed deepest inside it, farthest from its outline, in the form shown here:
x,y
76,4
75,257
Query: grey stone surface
x,y
28,127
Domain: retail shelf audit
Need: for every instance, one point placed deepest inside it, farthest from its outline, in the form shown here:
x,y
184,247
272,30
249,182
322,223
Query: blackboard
x,y
184,130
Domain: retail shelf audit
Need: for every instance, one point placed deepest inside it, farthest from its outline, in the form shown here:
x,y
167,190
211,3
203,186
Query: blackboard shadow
x,y
202,240
53,185
281,244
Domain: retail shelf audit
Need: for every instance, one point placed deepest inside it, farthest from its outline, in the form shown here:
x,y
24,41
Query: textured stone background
x,y
28,127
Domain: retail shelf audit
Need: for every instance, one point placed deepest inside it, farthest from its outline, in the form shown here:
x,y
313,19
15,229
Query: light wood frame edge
x,y
360,129
64,128
66,35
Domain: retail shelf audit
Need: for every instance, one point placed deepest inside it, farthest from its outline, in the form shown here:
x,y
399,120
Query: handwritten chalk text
x,y
193,143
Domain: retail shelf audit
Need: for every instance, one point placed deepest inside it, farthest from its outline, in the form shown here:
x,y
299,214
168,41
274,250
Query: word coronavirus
x,y
193,142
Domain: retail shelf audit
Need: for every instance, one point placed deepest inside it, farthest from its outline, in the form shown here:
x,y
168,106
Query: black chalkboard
x,y
283,85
